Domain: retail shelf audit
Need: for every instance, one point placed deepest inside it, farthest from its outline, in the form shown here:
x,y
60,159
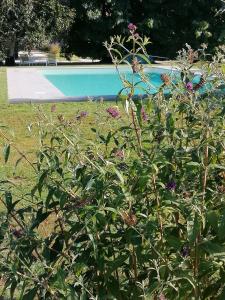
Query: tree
x,y
94,22
169,24
25,24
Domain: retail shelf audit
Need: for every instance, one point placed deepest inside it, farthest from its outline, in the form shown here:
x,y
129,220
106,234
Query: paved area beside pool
x,y
29,85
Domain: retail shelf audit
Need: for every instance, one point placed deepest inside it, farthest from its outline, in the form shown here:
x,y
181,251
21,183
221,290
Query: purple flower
x,y
82,114
136,35
143,114
132,27
189,86
171,186
114,112
185,251
18,233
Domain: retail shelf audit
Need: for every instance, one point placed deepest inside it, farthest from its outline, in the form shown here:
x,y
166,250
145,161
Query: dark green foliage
x,y
94,22
169,24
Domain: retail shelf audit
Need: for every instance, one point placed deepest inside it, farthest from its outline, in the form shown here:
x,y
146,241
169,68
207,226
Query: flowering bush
x,y
54,49
137,214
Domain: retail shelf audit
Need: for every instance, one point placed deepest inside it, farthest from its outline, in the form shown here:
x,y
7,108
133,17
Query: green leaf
x,y
212,219
221,229
193,164
119,175
222,294
49,197
108,138
144,58
170,124
17,163
212,248
90,184
56,248
193,228
8,201
116,263
6,152
40,217
31,294
42,178
13,288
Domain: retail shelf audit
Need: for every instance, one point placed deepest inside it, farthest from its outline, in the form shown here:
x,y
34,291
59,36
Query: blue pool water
x,y
87,82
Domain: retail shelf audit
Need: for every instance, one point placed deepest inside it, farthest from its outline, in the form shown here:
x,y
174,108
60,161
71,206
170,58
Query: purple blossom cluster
x,y
144,114
82,114
189,86
171,186
185,251
113,112
132,27
18,233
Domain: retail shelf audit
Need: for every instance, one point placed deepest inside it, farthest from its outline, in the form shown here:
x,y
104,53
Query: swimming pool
x,y
97,82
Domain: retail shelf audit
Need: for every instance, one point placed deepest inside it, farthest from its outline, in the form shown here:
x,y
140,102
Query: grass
x,y
17,118
3,86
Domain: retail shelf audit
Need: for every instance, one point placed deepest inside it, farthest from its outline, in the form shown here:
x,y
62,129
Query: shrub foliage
x,y
138,212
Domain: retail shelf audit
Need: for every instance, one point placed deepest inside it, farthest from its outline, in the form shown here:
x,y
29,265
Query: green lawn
x,y
3,86
17,117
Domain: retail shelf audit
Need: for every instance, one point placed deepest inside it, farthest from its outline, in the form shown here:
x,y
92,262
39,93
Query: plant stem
x,y
61,225
196,267
137,130
206,162
13,216
158,207
134,263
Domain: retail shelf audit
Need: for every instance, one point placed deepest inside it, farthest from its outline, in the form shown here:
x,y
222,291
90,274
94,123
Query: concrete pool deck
x,y
28,85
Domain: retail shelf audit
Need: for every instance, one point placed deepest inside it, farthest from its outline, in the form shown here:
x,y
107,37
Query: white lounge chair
x,y
52,59
39,59
25,59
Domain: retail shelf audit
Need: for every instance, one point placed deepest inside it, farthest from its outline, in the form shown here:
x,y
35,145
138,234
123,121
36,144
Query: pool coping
x,y
28,85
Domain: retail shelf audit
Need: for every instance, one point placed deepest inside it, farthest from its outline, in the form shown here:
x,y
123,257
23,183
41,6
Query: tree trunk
x,y
10,60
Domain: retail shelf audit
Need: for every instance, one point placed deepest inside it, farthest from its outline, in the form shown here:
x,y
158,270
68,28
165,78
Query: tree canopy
x,y
169,24
95,21
25,24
